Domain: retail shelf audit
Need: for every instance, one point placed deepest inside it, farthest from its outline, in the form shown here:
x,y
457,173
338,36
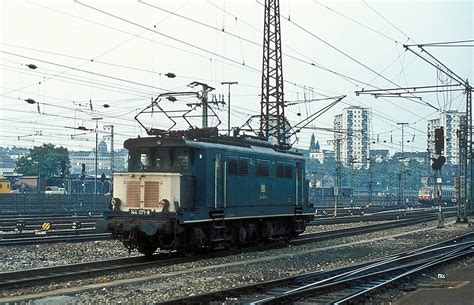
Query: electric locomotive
x,y
223,192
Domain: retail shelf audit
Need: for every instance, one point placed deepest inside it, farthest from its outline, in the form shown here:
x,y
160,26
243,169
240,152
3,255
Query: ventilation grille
x,y
152,194
133,194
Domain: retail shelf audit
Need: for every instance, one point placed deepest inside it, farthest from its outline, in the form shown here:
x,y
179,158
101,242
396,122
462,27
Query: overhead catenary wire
x,y
378,74
386,20
357,22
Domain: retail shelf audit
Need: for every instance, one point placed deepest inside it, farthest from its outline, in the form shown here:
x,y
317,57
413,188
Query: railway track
x,y
90,234
342,285
381,216
320,236
65,237
64,272
28,222
42,275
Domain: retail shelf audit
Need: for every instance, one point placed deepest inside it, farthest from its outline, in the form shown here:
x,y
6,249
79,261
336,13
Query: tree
x,y
45,161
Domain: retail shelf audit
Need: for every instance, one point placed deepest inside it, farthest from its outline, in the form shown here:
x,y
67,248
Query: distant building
x,y
7,164
322,155
313,145
451,121
315,152
104,160
352,132
418,156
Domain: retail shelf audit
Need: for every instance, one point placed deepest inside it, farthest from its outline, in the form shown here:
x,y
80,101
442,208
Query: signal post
x,y
437,164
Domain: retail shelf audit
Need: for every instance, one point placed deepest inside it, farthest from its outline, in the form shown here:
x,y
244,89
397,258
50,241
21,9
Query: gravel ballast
x,y
226,272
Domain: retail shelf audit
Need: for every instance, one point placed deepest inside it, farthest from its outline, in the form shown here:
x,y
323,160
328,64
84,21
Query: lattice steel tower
x,y
272,115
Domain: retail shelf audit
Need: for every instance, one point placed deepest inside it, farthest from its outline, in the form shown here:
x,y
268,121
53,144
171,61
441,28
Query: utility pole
x,y
468,206
352,183
322,189
96,146
112,151
401,178
337,184
370,180
228,104
462,181
204,98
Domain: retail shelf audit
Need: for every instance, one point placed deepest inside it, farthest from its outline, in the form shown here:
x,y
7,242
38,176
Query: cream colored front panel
x,y
145,190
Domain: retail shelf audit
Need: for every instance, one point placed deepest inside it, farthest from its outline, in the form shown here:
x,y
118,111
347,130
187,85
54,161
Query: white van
x,y
54,190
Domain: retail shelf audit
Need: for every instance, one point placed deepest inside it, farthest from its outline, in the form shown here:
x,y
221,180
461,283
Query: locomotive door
x,y
299,184
219,182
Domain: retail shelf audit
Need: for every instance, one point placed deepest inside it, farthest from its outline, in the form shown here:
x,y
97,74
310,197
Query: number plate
x,y
141,212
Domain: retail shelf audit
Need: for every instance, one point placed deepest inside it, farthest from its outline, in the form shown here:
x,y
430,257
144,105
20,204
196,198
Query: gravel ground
x,y
220,273
47,255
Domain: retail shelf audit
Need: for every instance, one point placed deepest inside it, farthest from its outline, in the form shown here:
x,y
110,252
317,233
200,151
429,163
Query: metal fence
x,y
29,203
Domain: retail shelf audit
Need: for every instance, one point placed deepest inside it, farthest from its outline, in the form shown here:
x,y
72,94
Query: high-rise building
x,y
451,122
351,131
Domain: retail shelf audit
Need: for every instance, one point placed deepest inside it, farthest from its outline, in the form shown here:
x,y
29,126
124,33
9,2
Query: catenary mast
x,y
272,115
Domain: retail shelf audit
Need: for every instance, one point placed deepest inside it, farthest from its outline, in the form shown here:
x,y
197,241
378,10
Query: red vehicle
x,y
427,196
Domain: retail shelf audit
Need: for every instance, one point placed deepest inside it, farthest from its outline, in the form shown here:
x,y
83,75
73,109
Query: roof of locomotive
x,y
241,144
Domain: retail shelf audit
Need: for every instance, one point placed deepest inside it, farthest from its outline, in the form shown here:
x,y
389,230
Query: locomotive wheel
x,y
231,244
232,240
259,242
188,251
147,250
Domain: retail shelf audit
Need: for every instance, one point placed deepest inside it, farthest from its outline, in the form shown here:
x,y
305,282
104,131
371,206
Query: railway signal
x,y
438,162
83,171
439,141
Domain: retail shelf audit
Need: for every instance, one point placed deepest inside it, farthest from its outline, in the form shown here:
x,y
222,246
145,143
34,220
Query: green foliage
x,y
45,161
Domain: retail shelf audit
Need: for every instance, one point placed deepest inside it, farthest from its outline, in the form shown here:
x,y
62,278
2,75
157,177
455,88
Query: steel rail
x,y
54,239
62,272
288,289
389,215
41,274
308,237
337,289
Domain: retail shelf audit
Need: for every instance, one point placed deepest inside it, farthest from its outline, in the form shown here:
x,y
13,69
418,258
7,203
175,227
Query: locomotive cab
x,y
155,173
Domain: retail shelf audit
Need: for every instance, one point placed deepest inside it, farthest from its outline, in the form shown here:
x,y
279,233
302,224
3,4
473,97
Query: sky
x,y
107,59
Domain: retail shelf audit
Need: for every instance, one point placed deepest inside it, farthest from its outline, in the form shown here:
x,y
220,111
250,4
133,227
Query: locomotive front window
x,y
180,158
161,159
145,161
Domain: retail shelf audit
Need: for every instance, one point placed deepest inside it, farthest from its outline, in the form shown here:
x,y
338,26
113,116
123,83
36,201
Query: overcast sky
x,y
117,53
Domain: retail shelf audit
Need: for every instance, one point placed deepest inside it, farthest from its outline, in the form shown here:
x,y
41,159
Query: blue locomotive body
x,y
222,192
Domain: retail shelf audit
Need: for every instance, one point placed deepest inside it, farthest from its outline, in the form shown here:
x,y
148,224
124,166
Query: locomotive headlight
x,y
149,227
101,226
